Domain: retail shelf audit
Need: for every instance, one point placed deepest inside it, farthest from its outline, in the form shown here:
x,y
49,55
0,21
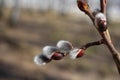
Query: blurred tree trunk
x,y
15,14
42,6
5,38
62,7
1,8
51,5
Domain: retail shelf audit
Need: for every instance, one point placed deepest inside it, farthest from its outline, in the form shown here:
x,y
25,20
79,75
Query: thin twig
x,y
103,6
90,44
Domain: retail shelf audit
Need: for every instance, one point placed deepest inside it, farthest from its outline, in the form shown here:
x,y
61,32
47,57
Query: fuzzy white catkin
x,y
64,46
39,60
73,53
98,17
48,51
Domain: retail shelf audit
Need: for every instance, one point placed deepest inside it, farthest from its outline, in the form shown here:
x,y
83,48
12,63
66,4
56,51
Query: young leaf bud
x,y
49,51
64,46
100,22
41,59
76,53
83,5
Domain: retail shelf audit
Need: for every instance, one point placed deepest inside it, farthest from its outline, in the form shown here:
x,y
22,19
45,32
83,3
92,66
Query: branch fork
x,y
104,34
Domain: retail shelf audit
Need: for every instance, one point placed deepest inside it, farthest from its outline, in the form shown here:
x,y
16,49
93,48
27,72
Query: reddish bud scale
x,y
80,53
102,26
82,5
57,56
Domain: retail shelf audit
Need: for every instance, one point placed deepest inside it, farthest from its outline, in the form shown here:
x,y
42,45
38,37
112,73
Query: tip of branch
x,y
103,4
83,5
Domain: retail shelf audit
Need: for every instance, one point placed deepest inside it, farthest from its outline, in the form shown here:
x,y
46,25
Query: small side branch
x,y
103,6
95,43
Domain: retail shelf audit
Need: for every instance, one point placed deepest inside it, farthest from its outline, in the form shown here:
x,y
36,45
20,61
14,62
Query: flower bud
x,y
64,46
49,51
41,59
76,53
83,5
100,22
52,52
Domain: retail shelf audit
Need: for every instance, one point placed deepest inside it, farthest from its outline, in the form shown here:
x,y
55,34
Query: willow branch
x,y
90,44
106,36
114,52
83,6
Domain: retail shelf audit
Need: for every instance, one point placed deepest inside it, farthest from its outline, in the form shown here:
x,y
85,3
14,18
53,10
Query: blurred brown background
x,y
28,25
